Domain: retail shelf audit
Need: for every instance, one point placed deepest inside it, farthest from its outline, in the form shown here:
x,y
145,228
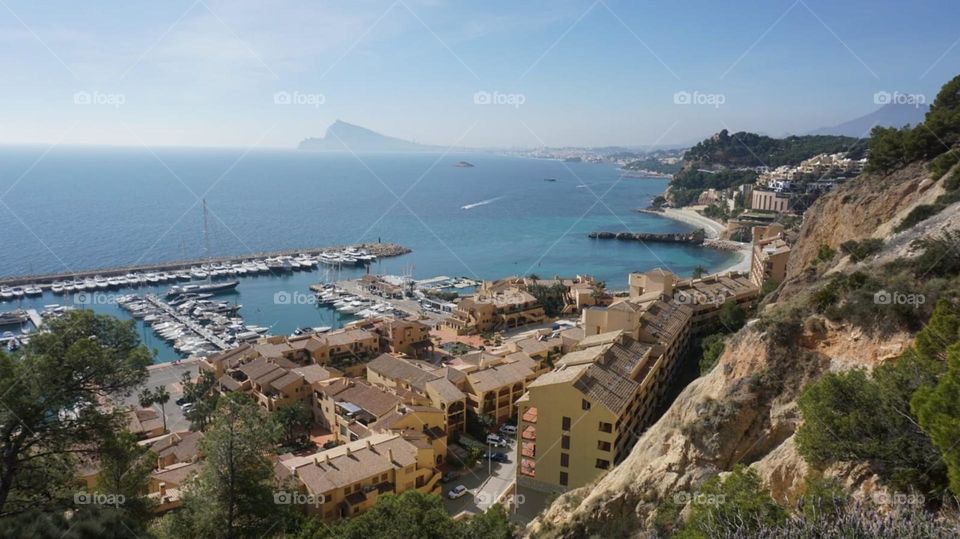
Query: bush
x,y
860,250
738,503
825,253
942,164
712,346
917,215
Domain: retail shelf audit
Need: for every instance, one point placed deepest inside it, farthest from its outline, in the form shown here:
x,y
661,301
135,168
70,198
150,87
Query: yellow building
x,y
582,418
437,385
347,480
770,255
274,383
496,309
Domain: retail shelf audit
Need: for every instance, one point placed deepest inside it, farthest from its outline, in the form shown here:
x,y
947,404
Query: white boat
x,y
57,287
32,290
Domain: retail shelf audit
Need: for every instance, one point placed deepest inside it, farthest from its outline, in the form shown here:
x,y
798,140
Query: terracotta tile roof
x,y
176,474
497,377
316,373
353,462
182,445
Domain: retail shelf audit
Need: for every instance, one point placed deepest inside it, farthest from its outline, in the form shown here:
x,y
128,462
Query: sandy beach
x,y
713,229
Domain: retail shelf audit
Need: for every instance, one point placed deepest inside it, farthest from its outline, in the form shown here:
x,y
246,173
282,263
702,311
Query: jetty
x,y
691,238
187,321
380,250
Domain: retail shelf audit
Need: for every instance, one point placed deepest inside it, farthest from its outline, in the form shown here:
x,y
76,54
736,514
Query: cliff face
x,y
743,411
866,207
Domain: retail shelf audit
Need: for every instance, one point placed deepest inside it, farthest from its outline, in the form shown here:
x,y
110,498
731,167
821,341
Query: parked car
x,y
183,400
187,407
498,457
449,476
508,430
496,440
457,492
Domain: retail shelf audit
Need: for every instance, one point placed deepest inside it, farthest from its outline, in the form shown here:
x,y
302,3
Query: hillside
x,y
827,389
342,136
889,115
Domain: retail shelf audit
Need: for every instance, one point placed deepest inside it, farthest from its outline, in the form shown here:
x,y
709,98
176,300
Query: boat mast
x,y
206,232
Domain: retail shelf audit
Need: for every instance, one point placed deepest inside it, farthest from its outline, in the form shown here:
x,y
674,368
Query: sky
x,y
498,73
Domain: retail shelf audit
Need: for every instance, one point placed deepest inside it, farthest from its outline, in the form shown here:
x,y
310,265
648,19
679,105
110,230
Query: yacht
x,y
100,283
57,287
200,288
32,290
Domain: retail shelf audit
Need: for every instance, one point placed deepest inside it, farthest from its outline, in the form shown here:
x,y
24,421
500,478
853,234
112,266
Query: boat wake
x,y
481,203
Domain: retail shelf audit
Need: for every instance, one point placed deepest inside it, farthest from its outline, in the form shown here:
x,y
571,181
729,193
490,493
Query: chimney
x,y
163,489
390,455
327,458
348,450
369,445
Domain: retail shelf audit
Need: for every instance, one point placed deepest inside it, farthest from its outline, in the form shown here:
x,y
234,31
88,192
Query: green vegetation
x,y
731,317
293,421
712,346
232,493
892,148
751,150
861,250
551,298
737,503
926,211
158,395
51,395
414,515
825,253
441,295
887,418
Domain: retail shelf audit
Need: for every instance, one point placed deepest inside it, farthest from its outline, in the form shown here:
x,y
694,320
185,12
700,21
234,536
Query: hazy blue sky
x,y
208,72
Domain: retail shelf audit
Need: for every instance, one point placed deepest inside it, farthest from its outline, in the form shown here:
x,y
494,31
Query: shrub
x,y
942,164
917,215
712,346
860,250
738,503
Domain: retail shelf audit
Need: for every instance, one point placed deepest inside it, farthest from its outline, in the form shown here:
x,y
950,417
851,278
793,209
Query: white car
x,y
496,440
509,430
457,492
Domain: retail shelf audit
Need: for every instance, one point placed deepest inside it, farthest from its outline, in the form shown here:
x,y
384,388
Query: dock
x,y
381,250
35,318
187,321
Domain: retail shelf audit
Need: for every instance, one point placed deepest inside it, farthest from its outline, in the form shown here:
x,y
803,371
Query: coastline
x,y
714,230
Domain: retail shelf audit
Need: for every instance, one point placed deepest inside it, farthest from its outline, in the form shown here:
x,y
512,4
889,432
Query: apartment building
x,y
178,455
495,308
581,419
704,296
439,386
347,480
770,255
408,337
347,406
272,382
770,201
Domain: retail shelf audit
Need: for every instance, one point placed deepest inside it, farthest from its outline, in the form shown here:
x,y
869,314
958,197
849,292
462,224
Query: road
x,y
168,375
483,489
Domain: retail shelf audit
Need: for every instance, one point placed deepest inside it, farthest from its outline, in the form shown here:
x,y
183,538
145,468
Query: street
x,y
483,489
168,375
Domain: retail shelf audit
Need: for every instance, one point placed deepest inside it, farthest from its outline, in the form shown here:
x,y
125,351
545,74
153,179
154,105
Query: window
x,y
565,460
603,464
585,404
563,479
564,442
603,446
566,423
605,427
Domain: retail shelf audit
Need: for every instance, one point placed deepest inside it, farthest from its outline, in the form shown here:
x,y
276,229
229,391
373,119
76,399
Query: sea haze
x,y
74,209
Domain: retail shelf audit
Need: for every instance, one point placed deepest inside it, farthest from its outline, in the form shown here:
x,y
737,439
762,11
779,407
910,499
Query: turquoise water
x,y
83,208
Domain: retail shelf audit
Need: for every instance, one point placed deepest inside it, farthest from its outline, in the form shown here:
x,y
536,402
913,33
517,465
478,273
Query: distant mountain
x,y
342,136
891,115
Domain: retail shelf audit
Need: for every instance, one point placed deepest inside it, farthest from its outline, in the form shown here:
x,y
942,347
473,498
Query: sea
x,y
66,209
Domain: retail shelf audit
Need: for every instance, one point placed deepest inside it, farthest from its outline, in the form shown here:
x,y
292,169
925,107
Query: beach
x,y
714,230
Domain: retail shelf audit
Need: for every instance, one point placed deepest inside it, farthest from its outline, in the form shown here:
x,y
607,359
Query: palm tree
x,y
699,271
158,395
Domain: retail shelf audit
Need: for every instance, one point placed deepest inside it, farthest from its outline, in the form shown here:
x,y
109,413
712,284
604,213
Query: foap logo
x,y
483,97
695,297
299,98
884,97
696,97
487,498
884,297
284,497
293,298
683,498
95,298
85,97
98,498
898,498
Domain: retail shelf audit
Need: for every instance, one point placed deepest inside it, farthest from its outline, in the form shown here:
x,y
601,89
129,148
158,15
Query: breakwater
x,y
691,238
381,250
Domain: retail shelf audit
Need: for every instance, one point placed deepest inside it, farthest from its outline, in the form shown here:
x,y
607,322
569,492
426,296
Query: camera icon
x,y
883,297
682,299
681,498
82,98
82,298
282,98
281,298
882,98
682,98
82,498
282,498
482,98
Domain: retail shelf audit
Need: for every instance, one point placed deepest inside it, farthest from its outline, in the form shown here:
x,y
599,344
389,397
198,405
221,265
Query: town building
x,y
440,386
347,480
495,308
770,201
770,255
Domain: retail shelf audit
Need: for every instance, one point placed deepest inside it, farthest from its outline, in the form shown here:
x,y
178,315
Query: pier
x,y
187,321
381,250
693,238
35,318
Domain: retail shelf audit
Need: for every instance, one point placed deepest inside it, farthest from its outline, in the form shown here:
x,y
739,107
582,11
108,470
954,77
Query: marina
x,y
13,288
